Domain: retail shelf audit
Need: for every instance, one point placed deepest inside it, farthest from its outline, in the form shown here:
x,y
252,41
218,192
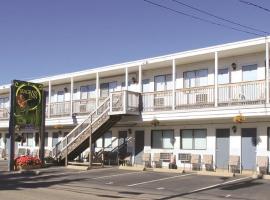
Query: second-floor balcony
x,y
233,94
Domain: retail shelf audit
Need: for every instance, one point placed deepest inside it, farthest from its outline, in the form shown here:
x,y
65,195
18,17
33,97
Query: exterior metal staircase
x,y
109,112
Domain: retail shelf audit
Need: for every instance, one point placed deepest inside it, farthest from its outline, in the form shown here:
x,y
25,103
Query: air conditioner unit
x,y
159,101
201,98
83,108
184,157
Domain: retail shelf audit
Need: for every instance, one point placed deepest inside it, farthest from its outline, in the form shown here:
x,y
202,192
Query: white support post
x,y
216,79
140,78
111,102
126,78
49,99
267,70
97,89
71,95
125,101
173,84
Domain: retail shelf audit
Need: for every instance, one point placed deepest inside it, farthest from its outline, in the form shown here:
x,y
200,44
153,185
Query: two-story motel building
x,y
188,102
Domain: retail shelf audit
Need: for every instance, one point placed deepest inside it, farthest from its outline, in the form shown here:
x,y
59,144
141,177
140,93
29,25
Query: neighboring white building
x,y
188,101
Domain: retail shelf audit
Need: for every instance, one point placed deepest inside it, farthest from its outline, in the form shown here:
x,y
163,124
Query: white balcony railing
x,y
3,113
234,94
84,106
199,97
245,93
161,100
60,108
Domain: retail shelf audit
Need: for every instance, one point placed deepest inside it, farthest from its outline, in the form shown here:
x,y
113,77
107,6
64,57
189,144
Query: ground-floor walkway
x,y
112,183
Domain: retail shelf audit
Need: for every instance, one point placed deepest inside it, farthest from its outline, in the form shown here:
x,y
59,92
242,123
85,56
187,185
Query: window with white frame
x,y
162,139
88,91
194,139
105,141
163,82
146,85
55,137
60,96
1,140
249,72
195,78
28,139
4,102
268,138
76,94
223,76
46,136
106,88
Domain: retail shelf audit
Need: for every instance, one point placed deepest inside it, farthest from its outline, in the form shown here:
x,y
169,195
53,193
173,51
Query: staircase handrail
x,y
79,125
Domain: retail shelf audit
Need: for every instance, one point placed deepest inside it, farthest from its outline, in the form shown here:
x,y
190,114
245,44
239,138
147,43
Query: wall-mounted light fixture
x,y
65,89
234,129
134,80
234,66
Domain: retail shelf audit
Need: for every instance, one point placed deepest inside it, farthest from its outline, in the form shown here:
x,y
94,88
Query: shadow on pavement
x,y
230,186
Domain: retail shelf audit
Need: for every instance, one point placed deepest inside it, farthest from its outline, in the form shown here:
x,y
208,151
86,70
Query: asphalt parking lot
x,y
113,183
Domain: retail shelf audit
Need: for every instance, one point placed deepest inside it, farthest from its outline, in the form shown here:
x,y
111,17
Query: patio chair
x,y
208,162
3,153
234,164
195,161
22,152
156,160
146,158
35,152
125,159
47,153
262,164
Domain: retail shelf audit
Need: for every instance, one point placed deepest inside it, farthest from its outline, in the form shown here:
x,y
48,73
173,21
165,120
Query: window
x,y
105,141
28,139
268,138
146,85
162,139
4,102
76,94
106,88
88,91
83,92
54,138
223,76
60,96
193,139
163,82
249,72
1,140
196,78
46,139
37,139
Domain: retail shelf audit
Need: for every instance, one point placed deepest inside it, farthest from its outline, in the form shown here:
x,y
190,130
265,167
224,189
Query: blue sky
x,y
40,38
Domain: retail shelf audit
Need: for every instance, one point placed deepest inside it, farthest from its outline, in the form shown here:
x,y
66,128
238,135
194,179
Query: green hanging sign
x,y
28,104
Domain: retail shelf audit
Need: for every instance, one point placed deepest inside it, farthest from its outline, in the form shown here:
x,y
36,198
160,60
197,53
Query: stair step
x,y
78,167
78,163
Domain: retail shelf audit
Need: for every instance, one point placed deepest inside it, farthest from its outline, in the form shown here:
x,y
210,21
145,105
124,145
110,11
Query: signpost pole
x,y
11,131
42,129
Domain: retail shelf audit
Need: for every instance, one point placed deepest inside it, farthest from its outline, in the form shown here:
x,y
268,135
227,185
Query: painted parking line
x,y
219,184
156,180
101,177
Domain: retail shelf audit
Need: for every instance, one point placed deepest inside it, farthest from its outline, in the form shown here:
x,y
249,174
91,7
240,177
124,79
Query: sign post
x,y
11,132
27,111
